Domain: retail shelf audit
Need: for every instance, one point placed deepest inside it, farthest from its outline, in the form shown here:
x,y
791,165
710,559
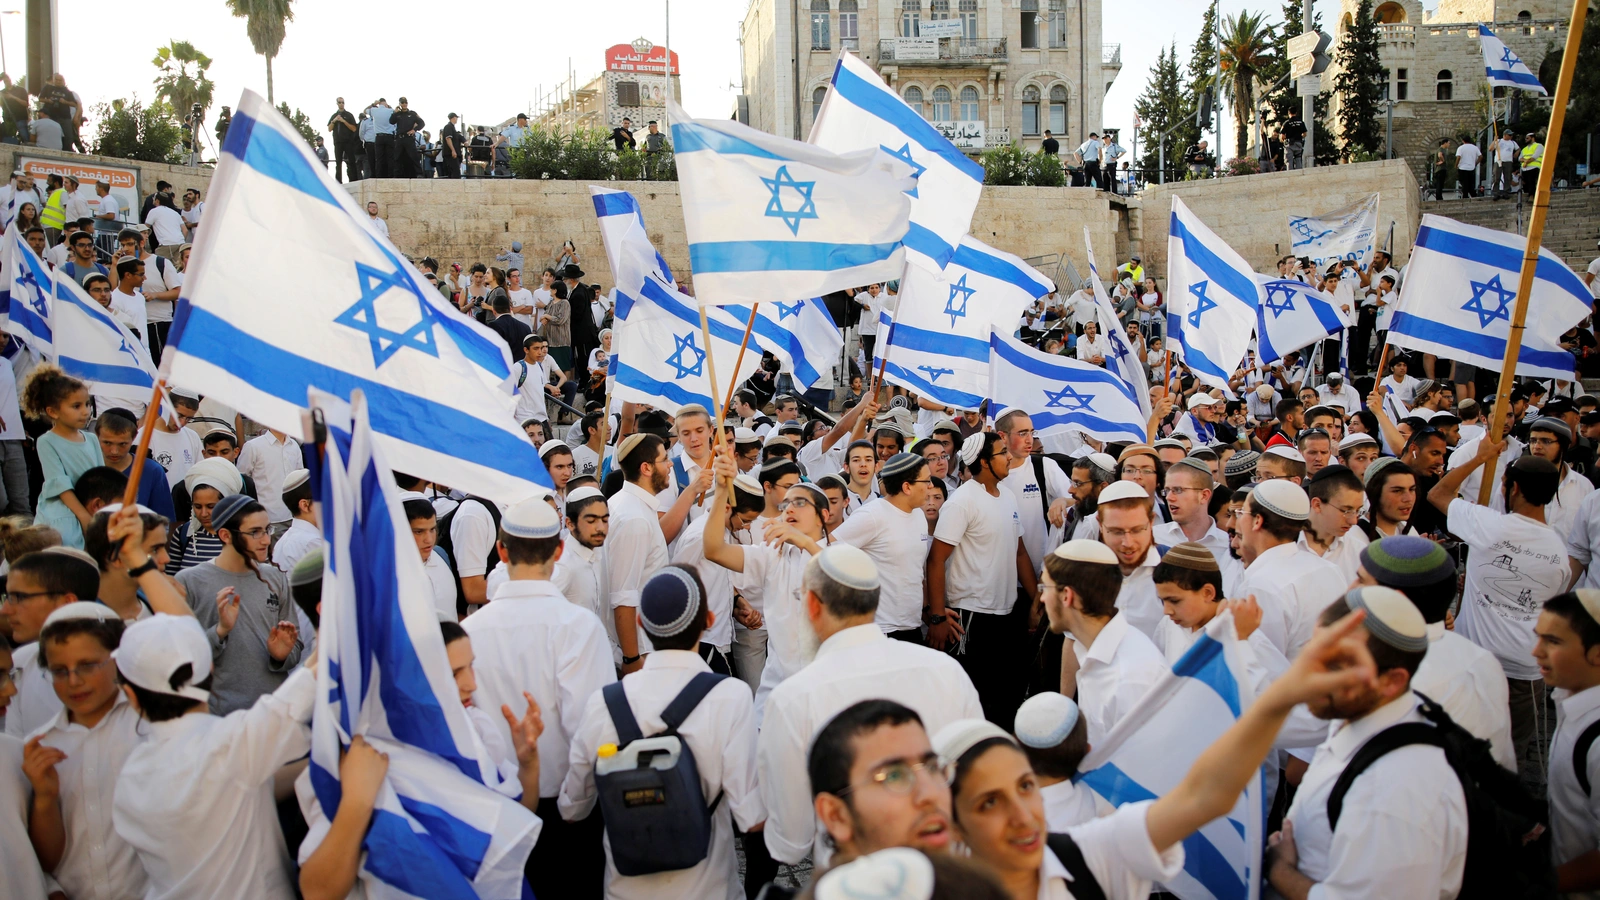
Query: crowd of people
x,y
885,638
1513,168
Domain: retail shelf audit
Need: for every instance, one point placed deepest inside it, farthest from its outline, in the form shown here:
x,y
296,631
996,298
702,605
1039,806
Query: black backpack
x,y
444,541
1084,885
656,817
1508,845
1580,755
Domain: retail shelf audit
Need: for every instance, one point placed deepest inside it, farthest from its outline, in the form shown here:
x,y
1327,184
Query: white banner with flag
x,y
860,112
659,357
770,218
1211,297
445,823
291,288
1504,68
1123,361
1461,289
1348,233
29,298
1293,315
1061,394
1150,750
91,345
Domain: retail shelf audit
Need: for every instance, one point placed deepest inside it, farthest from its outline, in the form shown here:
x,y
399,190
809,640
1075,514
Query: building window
x,y
938,9
1402,87
1444,89
914,100
1058,110
819,25
910,18
817,96
627,93
1030,24
1058,24
969,104
849,37
941,104
969,19
1030,110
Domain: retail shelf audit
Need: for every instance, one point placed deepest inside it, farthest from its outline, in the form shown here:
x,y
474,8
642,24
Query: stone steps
x,y
1571,226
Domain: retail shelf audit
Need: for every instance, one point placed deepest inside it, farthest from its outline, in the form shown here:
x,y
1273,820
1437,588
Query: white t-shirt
x,y
1467,156
1594,283
1023,484
177,452
983,529
1507,151
1516,564
167,223
129,310
160,276
897,543
522,297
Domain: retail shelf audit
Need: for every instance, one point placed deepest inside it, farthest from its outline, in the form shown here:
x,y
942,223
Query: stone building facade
x,y
987,72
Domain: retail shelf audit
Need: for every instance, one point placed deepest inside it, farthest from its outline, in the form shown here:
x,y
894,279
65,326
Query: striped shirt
x,y
189,550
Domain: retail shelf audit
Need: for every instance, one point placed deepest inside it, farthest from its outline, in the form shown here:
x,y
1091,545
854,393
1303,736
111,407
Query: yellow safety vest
x,y
1533,156
55,210
1137,272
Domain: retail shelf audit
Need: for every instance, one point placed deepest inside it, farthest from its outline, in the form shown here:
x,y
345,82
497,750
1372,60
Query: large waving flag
x,y
29,282
1122,361
445,825
91,345
1211,298
860,112
291,289
938,342
1061,394
770,218
660,357
1347,233
1502,67
801,335
1293,316
1460,291
1148,752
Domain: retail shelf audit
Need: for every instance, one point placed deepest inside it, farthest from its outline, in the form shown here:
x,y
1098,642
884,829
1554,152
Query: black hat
x,y
572,271
452,116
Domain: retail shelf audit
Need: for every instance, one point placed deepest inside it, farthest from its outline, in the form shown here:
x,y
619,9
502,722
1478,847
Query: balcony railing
x,y
1397,33
951,51
1111,55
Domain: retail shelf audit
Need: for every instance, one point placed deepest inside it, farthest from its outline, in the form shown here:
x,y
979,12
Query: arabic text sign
x,y
916,48
124,181
965,135
623,58
940,28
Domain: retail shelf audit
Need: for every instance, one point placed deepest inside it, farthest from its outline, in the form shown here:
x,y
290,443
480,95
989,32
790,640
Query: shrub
x,y
585,155
1243,165
131,130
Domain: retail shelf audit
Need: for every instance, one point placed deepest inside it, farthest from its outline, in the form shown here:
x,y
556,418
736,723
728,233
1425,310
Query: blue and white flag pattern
x,y
1211,297
1061,394
660,358
1461,289
628,248
1503,68
860,112
937,342
349,313
445,824
801,334
770,218
28,279
1150,750
1124,360
1344,234
91,345
1293,316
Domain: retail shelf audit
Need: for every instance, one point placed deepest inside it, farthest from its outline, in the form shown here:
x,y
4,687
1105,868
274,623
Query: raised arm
x,y
717,549
1450,485
126,529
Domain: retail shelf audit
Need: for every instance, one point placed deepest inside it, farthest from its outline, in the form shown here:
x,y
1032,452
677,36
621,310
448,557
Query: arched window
x,y
1030,109
1058,110
819,25
1444,87
969,19
849,38
914,100
910,18
817,96
941,104
969,104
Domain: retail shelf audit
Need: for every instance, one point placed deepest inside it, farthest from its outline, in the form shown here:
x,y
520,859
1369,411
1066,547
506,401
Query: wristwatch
x,y
936,620
630,660
148,566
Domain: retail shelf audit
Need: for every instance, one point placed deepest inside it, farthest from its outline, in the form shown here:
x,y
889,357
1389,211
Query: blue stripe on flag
x,y
922,340
999,269
924,241
1194,359
1044,369
1525,79
403,416
926,388
875,102
104,373
1114,784
1480,344
1237,283
466,846
782,337
783,256
1206,663
628,376
688,137
1045,419
1201,859
1500,256
24,319
399,857
621,203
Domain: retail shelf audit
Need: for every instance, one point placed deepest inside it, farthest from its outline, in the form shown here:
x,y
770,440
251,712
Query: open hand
x,y
281,640
227,610
525,731
1335,660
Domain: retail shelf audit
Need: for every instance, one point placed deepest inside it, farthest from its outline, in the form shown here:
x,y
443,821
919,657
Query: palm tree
x,y
1248,46
177,84
264,23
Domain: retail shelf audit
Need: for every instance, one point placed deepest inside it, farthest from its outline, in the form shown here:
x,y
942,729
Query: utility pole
x,y
1308,102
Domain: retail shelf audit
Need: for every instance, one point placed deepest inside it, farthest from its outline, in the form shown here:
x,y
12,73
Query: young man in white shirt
x,y
686,495
167,224
372,216
1054,735
1336,495
1188,491
127,301
1022,480
892,530
160,288
1506,155
1467,156
746,504
1092,347
1126,520
1568,653
531,640
269,458
638,548
522,305
1293,584
304,534
424,524
177,449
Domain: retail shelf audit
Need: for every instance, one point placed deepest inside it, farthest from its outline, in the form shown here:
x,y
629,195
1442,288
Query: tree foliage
x,y
266,22
1360,87
586,154
1012,165
1202,76
131,130
1583,104
1248,47
1162,104
183,82
301,122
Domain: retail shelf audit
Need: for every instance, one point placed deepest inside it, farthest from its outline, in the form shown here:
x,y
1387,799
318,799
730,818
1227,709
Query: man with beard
x,y
580,571
1292,583
1188,493
855,661
893,531
638,547
1402,831
1549,439
1090,475
1127,520
1035,482
1336,497
1391,489
1425,454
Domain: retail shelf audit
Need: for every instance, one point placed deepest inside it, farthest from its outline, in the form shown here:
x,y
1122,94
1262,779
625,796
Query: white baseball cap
x,y
153,649
1203,400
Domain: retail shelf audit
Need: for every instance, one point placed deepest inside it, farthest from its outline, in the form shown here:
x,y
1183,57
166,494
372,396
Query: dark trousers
x,y
1467,182
1109,179
1440,183
384,153
449,166
1530,181
1361,338
347,154
157,339
407,158
1532,724
568,860
369,168
994,655
759,867
1091,173
909,635
716,659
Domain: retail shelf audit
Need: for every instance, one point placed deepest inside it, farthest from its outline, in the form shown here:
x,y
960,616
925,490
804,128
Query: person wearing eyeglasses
x,y
1188,494
1336,496
37,585
1549,439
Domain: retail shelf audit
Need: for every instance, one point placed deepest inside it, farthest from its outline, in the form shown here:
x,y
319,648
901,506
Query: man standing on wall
x,y
346,143
450,149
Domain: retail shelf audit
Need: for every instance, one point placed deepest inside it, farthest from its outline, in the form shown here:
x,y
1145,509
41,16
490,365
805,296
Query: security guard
x,y
1532,159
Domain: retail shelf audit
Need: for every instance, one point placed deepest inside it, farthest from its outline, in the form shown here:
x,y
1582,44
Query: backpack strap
x,y
1084,885
1392,738
1044,486
680,472
688,698
621,714
1580,754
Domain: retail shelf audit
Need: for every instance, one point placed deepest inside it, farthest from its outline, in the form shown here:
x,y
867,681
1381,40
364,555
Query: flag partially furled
x,y
1294,315
1150,750
1061,394
628,247
770,218
291,288
1123,360
445,823
1460,292
91,345
938,343
1503,68
860,112
660,358
1211,298
1348,233
801,335
29,301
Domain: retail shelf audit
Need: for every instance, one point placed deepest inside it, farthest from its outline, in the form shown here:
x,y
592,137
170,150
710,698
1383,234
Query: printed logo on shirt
x,y
1030,489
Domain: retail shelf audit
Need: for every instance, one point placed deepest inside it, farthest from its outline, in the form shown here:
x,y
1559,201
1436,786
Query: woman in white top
x,y
599,357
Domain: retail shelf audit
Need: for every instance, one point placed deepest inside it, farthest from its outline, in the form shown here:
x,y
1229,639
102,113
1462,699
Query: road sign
x,y
1301,65
1303,44
1308,85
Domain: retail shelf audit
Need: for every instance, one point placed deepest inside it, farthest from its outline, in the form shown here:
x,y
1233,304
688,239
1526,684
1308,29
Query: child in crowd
x,y
65,451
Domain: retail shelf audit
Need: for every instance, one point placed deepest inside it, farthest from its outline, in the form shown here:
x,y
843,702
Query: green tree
x,y
183,82
265,24
1247,48
301,122
1360,87
131,130
1162,105
1202,77
1583,105
1284,102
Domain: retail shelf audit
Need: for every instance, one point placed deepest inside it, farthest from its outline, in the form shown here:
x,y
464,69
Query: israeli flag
x,y
938,342
628,248
1461,289
1148,752
800,334
1123,360
1061,394
1502,67
660,357
445,825
290,288
1212,298
769,218
92,346
1293,316
1347,233
860,112
29,282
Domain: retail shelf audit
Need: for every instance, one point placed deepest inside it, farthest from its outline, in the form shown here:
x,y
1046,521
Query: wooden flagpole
x,y
130,494
738,364
1530,255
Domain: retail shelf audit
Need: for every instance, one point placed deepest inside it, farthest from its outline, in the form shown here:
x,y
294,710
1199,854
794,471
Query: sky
x,y
489,70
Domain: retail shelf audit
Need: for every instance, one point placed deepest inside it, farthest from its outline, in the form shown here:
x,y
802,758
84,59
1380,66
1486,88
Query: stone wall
x,y
181,177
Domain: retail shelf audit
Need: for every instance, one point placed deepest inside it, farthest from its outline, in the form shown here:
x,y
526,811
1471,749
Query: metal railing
x,y
957,50
1111,55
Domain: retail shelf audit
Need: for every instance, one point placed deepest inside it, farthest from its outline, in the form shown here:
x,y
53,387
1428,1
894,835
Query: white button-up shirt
x,y
721,732
442,585
1574,816
268,460
301,538
580,576
36,703
195,799
1067,804
1403,828
1171,534
20,875
1137,600
1468,682
691,550
855,664
97,864
1344,553
1118,852
898,544
1583,536
779,571
1293,586
531,639
637,551
1114,673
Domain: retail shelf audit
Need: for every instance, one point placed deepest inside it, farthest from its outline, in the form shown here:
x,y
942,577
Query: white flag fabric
x,y
1348,233
860,112
29,281
1150,750
1502,67
1061,394
770,218
938,343
1461,290
1123,360
801,335
627,244
660,358
92,346
1212,297
445,824
291,288
1292,316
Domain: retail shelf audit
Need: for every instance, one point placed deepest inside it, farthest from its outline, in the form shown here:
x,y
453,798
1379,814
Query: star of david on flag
x,y
365,317
1067,399
1061,394
1285,301
1502,301
1345,233
1293,316
1503,68
807,208
683,353
659,356
29,300
1215,309
904,153
1202,303
959,289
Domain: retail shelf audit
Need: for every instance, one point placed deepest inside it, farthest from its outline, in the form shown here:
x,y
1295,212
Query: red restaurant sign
x,y
623,58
